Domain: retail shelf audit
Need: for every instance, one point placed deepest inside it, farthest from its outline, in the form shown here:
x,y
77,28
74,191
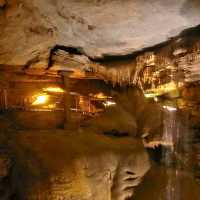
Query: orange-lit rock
x,y
84,166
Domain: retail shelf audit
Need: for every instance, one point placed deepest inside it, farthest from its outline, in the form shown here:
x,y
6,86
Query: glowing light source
x,y
170,108
109,103
160,90
41,99
50,106
156,99
100,96
54,89
151,95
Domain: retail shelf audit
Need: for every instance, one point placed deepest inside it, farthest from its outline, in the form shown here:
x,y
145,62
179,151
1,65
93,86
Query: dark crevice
x,y
71,50
130,173
129,188
194,31
130,179
3,5
156,153
116,133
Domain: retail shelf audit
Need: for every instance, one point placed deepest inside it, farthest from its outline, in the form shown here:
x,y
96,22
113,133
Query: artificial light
x,y
54,89
170,108
41,99
109,103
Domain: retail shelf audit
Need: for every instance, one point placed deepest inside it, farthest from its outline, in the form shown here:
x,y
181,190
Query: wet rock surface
x,y
61,165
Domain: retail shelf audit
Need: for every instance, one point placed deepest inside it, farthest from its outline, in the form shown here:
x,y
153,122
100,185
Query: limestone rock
x,y
82,166
29,29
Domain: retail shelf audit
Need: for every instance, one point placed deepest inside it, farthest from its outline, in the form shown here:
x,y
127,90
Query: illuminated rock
x,y
60,165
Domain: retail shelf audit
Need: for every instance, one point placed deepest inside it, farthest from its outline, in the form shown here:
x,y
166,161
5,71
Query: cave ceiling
x,y
97,28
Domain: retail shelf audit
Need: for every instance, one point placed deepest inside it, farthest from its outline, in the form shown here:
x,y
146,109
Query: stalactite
x,y
190,63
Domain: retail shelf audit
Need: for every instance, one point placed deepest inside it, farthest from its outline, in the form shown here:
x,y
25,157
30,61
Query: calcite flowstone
x,y
57,165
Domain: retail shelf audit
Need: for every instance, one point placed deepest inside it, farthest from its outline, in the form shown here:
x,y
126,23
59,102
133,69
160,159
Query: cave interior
x,y
75,125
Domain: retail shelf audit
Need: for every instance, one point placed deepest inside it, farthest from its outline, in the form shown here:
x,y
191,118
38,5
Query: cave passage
x,y
116,128
51,120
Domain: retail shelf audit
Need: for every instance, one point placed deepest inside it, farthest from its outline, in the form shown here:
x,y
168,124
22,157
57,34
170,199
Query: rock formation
x,y
128,43
60,165
97,28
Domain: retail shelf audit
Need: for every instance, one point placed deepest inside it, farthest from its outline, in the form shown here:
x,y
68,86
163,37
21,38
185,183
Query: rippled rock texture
x,y
58,165
29,29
